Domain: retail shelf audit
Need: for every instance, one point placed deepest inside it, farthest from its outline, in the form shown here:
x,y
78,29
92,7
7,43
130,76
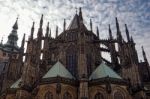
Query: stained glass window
x,y
71,62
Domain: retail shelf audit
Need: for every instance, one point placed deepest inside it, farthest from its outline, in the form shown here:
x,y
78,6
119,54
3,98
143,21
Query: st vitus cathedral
x,y
72,66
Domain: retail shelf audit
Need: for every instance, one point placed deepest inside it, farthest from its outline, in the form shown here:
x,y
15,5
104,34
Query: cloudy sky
x,y
135,13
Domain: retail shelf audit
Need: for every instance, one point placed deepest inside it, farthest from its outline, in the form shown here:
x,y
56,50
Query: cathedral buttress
x,y
30,74
46,45
113,53
130,69
82,66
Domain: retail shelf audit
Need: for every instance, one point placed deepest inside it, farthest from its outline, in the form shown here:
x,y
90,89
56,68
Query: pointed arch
x,y
99,96
48,95
118,95
67,95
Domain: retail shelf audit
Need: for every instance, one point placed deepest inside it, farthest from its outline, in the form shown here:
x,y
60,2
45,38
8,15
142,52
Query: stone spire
x,y
15,27
97,32
127,32
119,36
40,31
23,41
41,21
91,27
144,55
64,24
47,30
110,33
32,30
13,37
50,35
56,31
80,14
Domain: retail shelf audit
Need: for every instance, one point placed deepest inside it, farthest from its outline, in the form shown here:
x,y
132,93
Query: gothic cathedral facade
x,y
72,66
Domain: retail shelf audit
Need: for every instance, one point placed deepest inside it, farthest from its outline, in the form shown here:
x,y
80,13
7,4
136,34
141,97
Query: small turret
x,y
127,32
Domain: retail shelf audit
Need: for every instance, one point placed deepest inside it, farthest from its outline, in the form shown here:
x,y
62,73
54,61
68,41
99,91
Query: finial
x,y
16,24
97,32
117,24
47,30
144,54
40,31
110,33
33,24
127,32
50,33
32,30
119,36
80,13
64,24
56,31
91,25
41,21
142,48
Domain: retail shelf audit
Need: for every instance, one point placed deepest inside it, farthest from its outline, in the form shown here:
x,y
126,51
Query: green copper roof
x,y
103,71
58,70
16,84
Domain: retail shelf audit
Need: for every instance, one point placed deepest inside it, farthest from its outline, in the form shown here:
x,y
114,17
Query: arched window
x,y
118,95
48,95
71,63
99,96
67,96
